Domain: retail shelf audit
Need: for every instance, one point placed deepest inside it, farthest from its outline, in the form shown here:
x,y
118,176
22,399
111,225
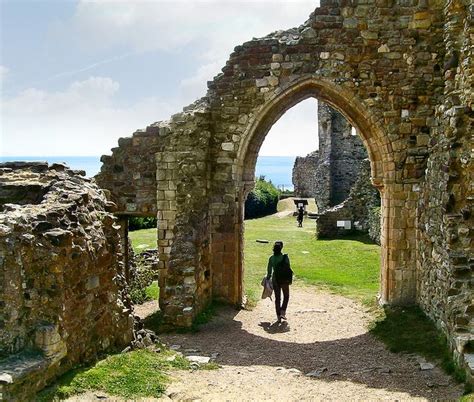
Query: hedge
x,y
262,200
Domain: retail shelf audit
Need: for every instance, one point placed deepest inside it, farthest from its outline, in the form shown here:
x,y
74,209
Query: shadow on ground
x,y
361,359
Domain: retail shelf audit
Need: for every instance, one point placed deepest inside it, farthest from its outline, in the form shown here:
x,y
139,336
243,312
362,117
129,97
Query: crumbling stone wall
x,y
62,292
445,221
347,154
356,208
307,177
382,65
329,173
131,171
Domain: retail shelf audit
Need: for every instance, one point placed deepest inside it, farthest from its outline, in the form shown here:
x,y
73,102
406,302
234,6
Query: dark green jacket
x,y
274,263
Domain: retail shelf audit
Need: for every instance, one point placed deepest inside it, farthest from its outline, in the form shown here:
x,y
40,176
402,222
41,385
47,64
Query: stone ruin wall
x,y
305,178
445,222
402,72
337,175
63,299
346,155
357,207
175,154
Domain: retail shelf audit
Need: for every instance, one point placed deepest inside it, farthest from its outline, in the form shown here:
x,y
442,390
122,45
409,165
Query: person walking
x,y
300,217
282,276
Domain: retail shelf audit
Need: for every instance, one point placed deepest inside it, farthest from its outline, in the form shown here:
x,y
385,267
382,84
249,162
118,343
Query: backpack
x,y
284,273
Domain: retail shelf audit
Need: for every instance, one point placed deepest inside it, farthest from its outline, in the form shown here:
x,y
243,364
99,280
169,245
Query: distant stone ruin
x,y
339,169
63,299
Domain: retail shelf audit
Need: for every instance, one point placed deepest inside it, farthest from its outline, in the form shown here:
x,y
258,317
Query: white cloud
x,y
209,28
151,25
295,133
84,119
196,85
222,26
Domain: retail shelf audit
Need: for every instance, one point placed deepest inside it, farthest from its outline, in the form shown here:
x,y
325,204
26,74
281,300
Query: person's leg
x,y
286,298
277,291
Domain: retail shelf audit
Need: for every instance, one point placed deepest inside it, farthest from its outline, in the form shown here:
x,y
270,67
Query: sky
x,y
77,75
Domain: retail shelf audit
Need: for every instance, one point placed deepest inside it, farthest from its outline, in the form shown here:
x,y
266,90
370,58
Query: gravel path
x,y
326,335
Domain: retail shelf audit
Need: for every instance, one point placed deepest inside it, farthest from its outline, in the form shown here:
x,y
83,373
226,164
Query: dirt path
x,y
326,335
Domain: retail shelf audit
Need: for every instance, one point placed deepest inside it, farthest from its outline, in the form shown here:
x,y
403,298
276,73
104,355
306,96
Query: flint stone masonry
x,y
62,291
356,208
401,72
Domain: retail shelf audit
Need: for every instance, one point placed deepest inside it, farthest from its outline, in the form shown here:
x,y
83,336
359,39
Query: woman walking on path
x,y
279,265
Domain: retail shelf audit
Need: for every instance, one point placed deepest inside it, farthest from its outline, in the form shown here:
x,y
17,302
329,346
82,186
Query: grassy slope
x,y
347,266
287,204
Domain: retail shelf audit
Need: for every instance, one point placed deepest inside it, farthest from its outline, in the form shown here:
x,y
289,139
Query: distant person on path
x,y
282,276
300,217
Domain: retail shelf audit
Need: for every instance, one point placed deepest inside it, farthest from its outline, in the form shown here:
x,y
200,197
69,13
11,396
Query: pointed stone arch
x,y
373,136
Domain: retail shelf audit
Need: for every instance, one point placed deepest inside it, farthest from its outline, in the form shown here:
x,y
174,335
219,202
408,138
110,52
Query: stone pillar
x,y
398,244
227,249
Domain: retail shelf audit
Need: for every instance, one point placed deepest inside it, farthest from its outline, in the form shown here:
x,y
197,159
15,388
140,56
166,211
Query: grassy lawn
x,y
140,373
347,266
152,291
143,239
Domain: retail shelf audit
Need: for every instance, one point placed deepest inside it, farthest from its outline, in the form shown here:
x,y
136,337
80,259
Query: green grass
x,y
140,373
152,291
156,324
409,330
143,239
348,266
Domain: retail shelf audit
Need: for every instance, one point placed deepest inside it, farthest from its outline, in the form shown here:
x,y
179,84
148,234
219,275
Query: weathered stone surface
x,y
412,103
62,289
356,208
329,173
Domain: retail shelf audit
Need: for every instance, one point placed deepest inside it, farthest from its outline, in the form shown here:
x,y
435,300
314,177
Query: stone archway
x,y
379,150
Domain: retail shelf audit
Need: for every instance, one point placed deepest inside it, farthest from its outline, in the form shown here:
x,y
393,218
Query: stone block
x,y
369,35
93,282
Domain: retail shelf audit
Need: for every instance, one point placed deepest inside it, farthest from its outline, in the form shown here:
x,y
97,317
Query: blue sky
x,y
77,75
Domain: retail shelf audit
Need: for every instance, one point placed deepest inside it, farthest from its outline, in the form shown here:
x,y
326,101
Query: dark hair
x,y
277,247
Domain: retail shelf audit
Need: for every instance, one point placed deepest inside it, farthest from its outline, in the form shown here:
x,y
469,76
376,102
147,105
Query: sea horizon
x,y
277,169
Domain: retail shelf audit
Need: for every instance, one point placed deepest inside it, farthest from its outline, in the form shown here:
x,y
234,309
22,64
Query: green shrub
x,y
141,278
138,222
374,224
262,200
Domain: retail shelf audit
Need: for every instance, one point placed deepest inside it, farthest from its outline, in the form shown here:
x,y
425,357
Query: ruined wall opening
x,y
374,143
143,262
139,240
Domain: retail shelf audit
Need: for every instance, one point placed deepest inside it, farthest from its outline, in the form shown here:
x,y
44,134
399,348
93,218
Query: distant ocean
x,y
278,169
